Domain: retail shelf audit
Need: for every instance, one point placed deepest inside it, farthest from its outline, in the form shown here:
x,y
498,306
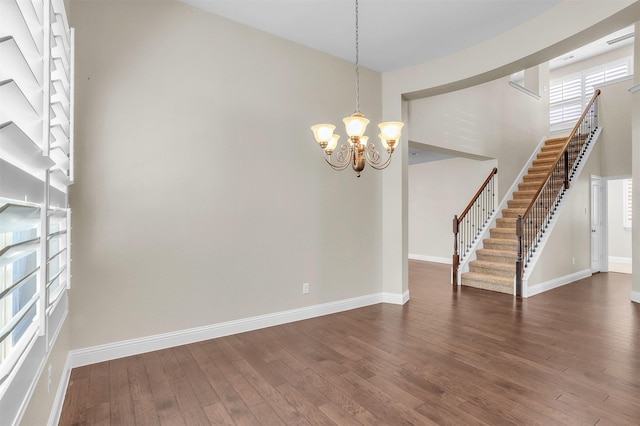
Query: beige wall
x,y
438,190
635,141
619,238
567,250
615,118
201,196
492,120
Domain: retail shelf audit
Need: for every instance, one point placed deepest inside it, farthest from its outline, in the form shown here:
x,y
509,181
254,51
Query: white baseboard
x,y
56,410
556,282
635,296
396,299
95,354
616,259
446,260
131,347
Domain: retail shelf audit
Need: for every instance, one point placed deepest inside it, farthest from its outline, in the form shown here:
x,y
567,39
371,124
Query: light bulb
x,y
323,132
355,124
391,130
384,141
332,143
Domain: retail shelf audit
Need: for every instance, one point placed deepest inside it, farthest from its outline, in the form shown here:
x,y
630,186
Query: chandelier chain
x,y
357,63
356,151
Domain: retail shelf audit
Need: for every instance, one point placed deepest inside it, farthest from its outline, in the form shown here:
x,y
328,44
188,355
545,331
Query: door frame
x,y
604,223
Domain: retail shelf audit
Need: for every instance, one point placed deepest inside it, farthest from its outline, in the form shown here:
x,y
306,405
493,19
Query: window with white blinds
x,y
36,169
569,95
627,198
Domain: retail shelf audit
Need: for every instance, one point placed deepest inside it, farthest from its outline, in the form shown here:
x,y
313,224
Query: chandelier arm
x,y
343,157
373,158
380,166
336,167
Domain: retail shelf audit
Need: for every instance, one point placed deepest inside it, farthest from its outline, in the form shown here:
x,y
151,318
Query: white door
x,y
597,191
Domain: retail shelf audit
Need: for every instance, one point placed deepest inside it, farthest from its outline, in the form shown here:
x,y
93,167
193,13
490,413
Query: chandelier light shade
x,y
357,151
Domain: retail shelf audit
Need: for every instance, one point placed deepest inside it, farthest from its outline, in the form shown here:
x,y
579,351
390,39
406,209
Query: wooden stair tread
x,y
498,253
523,203
548,154
503,233
499,240
479,276
538,170
487,282
494,265
506,222
530,185
555,142
512,212
524,193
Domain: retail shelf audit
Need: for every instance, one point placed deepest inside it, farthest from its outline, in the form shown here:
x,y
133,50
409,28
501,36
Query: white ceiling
x,y
393,33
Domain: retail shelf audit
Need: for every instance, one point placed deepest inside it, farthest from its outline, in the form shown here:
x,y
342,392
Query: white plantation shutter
x,y
591,80
571,89
569,95
565,101
609,73
36,169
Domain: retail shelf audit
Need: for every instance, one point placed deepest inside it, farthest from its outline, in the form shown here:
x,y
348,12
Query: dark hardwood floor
x,y
569,356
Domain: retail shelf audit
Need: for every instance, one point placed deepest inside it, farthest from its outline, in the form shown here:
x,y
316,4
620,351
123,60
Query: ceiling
x,y
393,34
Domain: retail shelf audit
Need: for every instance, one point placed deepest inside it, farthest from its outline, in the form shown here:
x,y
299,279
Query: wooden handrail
x,y
550,190
489,194
475,197
561,153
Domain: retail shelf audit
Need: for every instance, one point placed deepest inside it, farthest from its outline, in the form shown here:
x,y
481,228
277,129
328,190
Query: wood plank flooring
x,y
570,356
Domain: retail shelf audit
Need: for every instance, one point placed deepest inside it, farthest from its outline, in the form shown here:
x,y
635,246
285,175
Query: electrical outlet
x,y
49,379
573,260
305,288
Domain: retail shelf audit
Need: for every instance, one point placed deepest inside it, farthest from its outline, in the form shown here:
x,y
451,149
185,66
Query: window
x,y
36,169
569,95
627,197
18,287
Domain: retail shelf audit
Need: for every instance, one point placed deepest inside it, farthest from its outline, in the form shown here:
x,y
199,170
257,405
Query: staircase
x,y
495,265
497,250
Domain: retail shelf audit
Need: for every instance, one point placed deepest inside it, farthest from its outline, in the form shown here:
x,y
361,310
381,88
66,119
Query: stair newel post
x,y
456,256
519,257
566,169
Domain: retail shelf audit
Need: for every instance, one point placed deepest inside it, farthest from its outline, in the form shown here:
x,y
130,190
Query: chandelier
x,y
358,151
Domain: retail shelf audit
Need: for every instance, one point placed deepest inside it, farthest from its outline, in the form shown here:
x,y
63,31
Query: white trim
x,y
556,282
635,296
58,402
436,259
616,259
634,89
524,90
110,351
396,299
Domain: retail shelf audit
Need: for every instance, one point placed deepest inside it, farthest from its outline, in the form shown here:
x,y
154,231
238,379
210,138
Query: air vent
x,y
619,39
